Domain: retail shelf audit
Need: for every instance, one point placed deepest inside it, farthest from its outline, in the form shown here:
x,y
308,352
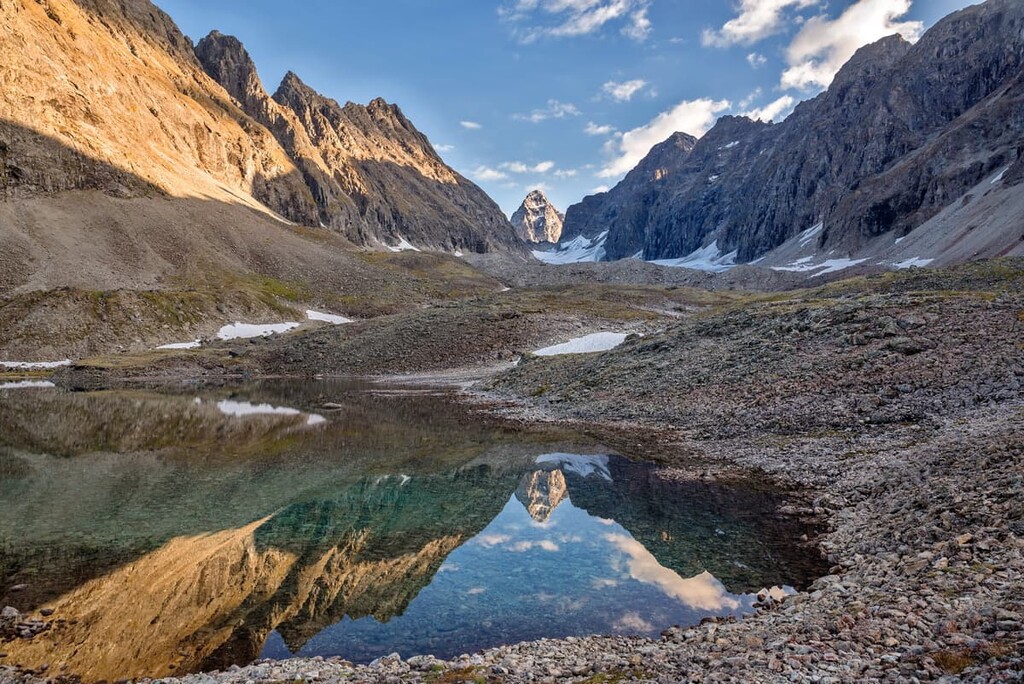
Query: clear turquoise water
x,y
339,520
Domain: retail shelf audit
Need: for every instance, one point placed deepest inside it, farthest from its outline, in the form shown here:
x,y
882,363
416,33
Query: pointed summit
x,y
542,492
537,220
226,60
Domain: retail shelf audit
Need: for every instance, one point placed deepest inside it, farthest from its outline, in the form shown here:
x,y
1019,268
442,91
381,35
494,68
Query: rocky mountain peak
x,y
537,219
542,492
872,60
226,60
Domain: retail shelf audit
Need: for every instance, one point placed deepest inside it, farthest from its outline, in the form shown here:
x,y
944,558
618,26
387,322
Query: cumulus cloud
x,y
756,60
486,173
692,116
600,189
623,92
566,173
444,148
774,111
536,19
554,110
757,20
702,592
520,167
595,129
470,125
824,45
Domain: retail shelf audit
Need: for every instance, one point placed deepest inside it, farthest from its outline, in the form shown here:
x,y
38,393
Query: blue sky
x,y
564,94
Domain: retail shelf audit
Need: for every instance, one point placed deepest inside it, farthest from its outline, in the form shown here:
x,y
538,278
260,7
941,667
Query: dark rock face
x,y
371,174
904,131
625,211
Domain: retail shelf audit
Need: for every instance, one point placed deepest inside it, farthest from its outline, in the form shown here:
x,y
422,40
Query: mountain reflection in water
x,y
397,523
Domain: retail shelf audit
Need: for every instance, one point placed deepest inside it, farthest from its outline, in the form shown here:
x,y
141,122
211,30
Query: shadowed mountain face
x,y
206,528
903,132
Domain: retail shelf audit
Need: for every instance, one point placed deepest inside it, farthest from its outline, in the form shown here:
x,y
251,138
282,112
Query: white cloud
x,y
692,116
554,110
566,173
600,189
632,623
594,129
624,92
824,45
486,173
520,167
702,592
756,60
444,148
471,125
774,111
536,19
493,539
750,99
757,20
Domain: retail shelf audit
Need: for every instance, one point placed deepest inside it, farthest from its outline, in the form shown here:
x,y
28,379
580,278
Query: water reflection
x,y
200,533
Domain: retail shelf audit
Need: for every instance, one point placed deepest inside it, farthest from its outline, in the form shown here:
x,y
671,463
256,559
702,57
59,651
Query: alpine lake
x,y
177,529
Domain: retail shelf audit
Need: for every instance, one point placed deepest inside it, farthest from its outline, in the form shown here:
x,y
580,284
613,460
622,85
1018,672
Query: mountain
x,y
142,202
625,210
537,220
902,134
372,175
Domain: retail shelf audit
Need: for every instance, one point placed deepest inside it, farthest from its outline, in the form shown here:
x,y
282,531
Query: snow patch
x,y
589,344
327,318
403,246
35,365
578,250
581,464
28,384
714,178
913,262
458,253
710,259
899,240
183,345
639,255
244,331
731,145
809,234
999,178
830,266
242,409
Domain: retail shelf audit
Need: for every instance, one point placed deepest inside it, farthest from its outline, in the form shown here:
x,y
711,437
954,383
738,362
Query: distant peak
x,y
291,84
225,59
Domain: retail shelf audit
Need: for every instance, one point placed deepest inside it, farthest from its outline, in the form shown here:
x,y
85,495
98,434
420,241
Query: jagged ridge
x,y
903,132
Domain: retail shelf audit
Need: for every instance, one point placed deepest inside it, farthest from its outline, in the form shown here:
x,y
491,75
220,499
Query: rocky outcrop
x,y
903,132
373,176
537,220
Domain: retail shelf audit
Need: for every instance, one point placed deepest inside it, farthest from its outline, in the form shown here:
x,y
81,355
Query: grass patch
x,y
469,674
953,662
